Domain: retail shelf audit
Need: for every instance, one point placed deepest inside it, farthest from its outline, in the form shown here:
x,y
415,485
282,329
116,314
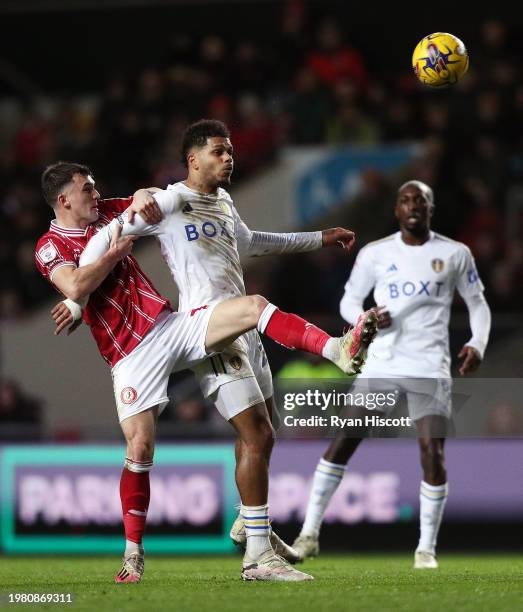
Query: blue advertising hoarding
x,y
335,177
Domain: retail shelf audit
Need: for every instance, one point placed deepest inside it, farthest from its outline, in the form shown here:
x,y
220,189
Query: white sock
x,y
331,351
257,529
265,317
327,477
432,499
132,547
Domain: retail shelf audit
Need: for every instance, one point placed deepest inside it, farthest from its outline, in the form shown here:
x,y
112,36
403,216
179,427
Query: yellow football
x,y
440,59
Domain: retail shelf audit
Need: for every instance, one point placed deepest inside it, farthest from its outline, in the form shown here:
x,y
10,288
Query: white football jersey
x,y
416,285
202,238
198,240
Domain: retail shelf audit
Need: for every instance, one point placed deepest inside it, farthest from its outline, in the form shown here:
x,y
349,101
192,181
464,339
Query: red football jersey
x,y
125,306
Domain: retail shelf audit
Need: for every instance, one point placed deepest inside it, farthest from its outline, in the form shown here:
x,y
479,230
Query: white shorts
x,y
234,397
244,368
175,342
425,396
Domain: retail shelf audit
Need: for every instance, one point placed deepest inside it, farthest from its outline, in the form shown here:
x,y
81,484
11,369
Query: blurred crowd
x,y
309,83
20,414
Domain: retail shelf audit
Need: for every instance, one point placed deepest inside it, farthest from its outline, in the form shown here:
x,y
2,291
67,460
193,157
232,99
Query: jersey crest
x,y
236,362
437,265
224,205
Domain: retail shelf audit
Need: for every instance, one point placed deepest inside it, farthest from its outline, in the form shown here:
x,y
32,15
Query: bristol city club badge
x,y
437,265
128,395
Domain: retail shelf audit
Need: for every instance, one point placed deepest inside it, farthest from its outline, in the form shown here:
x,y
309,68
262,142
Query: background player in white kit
x,y
414,273
201,237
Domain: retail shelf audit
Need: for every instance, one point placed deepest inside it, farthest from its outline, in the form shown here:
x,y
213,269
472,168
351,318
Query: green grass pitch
x,y
359,582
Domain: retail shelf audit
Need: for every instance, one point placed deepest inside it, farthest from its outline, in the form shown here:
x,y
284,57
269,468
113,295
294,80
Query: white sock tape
x,y
265,317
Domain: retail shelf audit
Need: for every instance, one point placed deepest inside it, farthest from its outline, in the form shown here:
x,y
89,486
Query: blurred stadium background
x,y
327,120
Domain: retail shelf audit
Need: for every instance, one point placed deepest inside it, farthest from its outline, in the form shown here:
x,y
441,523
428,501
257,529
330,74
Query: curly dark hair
x,y
196,135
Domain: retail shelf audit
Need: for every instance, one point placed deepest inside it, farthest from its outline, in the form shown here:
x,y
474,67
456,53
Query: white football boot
x,y
306,546
132,568
272,567
239,537
423,559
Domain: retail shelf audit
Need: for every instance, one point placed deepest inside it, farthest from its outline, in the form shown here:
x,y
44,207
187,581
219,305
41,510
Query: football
x,y
440,59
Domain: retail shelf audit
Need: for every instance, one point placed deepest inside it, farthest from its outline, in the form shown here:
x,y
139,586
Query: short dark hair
x,y
423,187
56,176
196,135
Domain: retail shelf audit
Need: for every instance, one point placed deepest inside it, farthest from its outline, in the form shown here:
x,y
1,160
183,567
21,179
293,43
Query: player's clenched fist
x,y
471,360
384,318
146,206
120,247
338,236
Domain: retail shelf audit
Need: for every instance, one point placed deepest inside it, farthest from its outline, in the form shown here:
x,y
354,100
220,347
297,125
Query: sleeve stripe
x,y
65,263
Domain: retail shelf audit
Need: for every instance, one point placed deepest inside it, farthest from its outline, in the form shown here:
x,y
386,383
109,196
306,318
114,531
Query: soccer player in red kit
x,y
123,306
144,341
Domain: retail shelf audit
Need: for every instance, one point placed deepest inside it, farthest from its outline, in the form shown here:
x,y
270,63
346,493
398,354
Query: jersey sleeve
x,y
361,281
115,206
242,232
51,255
468,282
253,244
169,203
480,321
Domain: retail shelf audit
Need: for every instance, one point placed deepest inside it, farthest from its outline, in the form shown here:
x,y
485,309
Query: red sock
x,y
135,494
294,332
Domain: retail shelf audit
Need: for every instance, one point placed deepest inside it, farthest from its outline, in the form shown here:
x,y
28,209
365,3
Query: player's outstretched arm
x,y
167,202
338,237
255,244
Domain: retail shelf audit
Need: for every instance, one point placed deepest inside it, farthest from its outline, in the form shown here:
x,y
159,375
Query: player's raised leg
x,y
252,478
234,317
139,431
327,477
433,491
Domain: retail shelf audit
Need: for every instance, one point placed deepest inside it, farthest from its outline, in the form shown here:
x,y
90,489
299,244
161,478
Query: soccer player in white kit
x,y
414,273
201,238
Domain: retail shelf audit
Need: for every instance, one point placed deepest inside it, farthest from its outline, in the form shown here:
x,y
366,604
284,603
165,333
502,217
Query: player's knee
x,y
431,451
263,439
141,449
267,438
